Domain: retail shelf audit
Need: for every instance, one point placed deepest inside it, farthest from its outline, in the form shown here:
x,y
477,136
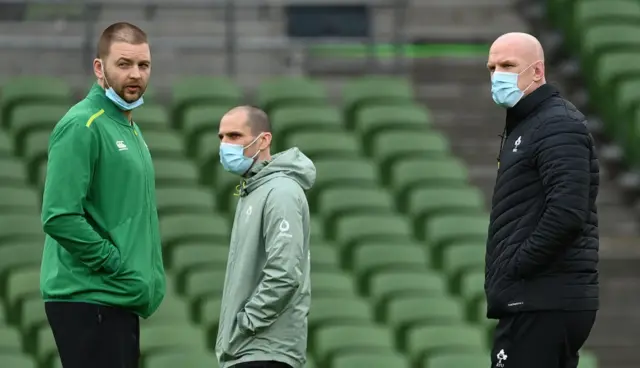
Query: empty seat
x,y
164,143
424,202
203,282
19,253
207,312
184,200
353,229
472,287
202,121
339,310
443,230
172,311
462,257
20,227
6,145
386,285
22,283
202,90
331,340
458,360
373,120
389,148
332,283
324,144
343,172
184,228
26,119
35,151
432,339
292,119
14,199
180,337
32,89
370,360
325,256
12,172
285,91
181,359
368,259
408,311
151,117
338,201
10,340
413,172
175,172
33,315
381,90
16,360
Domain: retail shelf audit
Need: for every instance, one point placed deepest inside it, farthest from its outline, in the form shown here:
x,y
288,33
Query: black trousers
x,y
549,339
263,364
91,335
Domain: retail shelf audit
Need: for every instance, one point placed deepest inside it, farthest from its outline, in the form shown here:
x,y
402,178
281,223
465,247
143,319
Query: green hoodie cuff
x,y
112,264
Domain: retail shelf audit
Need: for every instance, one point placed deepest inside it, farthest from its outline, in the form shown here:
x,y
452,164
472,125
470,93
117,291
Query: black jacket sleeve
x,y
562,157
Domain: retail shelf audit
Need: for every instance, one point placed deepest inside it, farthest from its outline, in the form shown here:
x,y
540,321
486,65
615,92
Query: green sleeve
x,y
73,151
284,246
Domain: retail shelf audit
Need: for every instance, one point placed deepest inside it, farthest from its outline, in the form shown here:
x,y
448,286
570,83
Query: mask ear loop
x,y
104,76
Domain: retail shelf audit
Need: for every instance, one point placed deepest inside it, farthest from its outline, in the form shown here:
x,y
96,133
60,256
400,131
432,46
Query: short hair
x,y
119,32
258,120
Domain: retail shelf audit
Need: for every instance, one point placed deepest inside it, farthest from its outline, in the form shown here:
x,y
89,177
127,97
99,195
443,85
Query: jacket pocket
x,y
133,278
239,339
505,296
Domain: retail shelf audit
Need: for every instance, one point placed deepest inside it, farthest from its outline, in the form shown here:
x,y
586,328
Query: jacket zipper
x,y
144,159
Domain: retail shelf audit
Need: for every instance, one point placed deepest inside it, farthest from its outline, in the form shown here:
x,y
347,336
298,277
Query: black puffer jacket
x,y
542,248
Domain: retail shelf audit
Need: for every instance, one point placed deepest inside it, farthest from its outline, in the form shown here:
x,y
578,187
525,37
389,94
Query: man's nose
x,y
134,73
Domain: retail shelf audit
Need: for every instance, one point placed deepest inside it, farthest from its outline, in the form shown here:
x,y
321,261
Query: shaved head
x,y
519,53
247,126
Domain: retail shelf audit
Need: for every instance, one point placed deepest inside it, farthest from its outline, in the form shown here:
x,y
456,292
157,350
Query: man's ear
x,y
266,141
98,68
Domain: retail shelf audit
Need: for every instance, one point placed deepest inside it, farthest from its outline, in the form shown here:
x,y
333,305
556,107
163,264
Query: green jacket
x,y
267,292
99,212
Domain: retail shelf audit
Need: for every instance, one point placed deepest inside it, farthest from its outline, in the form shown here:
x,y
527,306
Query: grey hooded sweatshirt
x,y
267,291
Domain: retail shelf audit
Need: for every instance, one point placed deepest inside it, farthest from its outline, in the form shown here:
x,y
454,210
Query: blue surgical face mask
x,y
116,99
233,159
504,88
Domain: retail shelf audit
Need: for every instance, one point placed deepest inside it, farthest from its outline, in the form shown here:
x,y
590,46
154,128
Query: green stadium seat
x,y
188,256
174,172
6,145
21,284
18,254
184,200
370,360
39,175
386,285
404,312
380,90
391,147
472,291
325,256
428,201
200,283
151,117
600,38
207,155
12,172
4,319
431,339
332,283
338,310
354,229
331,340
46,350
35,147
373,120
226,187
32,315
202,90
283,91
15,200
369,259
611,69
21,227
324,144
443,230
48,12
293,119
172,311
588,360
207,312
16,360
164,143
181,359
463,257
32,89
10,340
185,228
339,201
414,172
200,126
357,172
458,360
29,118
179,337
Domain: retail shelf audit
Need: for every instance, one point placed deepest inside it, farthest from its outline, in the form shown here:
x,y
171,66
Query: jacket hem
x,y
263,357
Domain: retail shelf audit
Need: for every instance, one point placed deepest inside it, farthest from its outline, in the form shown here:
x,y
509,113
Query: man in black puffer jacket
x,y
542,248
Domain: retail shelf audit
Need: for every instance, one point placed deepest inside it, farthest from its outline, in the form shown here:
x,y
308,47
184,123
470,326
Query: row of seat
x,y
605,36
397,231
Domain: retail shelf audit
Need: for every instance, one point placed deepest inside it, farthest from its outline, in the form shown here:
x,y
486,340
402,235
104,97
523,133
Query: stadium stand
x,y
398,229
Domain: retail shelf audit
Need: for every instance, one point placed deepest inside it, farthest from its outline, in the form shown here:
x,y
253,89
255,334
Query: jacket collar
x,y
528,104
97,95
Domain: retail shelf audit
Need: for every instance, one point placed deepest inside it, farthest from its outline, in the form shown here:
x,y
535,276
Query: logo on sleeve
x,y
283,229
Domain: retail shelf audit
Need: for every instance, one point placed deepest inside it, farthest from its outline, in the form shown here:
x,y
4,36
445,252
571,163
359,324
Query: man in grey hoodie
x,y
267,291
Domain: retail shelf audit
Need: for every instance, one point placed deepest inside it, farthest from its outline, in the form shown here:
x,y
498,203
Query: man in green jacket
x,y
102,263
267,292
